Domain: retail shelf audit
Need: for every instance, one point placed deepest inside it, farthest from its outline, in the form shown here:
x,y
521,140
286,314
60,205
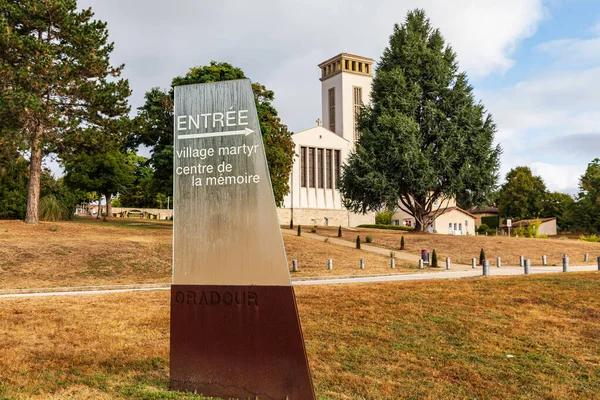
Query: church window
x,y
311,167
332,109
303,166
347,64
320,168
337,162
353,65
357,100
367,68
360,67
328,168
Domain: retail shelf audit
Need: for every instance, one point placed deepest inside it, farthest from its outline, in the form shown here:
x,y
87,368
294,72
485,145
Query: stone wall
x,y
324,217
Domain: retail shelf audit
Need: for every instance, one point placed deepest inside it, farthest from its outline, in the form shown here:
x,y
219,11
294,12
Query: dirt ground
x,y
461,249
535,337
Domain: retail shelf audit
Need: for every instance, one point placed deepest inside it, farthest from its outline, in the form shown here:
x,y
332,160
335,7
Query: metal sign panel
x,y
235,330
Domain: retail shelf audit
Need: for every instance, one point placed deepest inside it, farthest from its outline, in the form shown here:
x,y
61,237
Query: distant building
x,y
452,220
486,211
547,225
314,197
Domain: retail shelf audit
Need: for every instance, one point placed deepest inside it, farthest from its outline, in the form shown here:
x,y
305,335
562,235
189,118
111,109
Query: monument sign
x,y
235,331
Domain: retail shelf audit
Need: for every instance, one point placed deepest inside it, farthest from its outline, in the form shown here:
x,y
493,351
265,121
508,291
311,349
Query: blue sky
x,y
535,64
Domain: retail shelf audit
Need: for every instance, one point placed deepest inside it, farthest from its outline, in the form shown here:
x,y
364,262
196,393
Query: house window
x,y
311,167
455,226
357,101
328,169
460,227
320,171
337,162
332,109
303,166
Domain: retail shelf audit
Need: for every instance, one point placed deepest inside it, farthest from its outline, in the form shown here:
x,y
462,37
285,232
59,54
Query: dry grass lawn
x,y
535,337
312,258
461,249
128,251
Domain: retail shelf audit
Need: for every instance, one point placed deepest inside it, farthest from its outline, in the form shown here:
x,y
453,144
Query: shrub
x,y
434,261
392,227
482,229
358,242
340,231
592,238
52,209
299,230
313,229
481,257
369,239
402,243
384,217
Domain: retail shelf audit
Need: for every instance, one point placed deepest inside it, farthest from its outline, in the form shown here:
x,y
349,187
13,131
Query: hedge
x,y
392,227
492,221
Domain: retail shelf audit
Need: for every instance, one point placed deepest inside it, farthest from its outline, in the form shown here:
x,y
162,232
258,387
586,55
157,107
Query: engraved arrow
x,y
245,132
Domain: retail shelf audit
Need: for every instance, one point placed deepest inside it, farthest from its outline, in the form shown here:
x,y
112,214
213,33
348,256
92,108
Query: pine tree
x,y
434,260
358,242
423,138
55,76
402,243
340,231
481,257
299,230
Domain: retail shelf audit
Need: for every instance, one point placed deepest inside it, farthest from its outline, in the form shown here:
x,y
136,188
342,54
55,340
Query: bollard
x,y
473,262
486,267
295,265
421,264
565,263
392,263
447,262
544,260
362,263
527,267
498,262
521,261
585,257
329,264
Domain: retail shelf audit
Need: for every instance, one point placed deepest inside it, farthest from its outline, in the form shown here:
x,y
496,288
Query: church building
x,y
314,197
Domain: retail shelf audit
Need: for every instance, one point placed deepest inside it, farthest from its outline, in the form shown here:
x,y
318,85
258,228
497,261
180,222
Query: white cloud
x,y
279,43
573,52
596,28
560,178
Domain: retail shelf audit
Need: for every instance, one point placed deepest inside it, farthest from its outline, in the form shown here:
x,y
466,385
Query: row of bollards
x,y
526,264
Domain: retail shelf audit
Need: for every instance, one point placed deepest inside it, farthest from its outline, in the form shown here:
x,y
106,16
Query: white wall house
x,y
314,197
452,220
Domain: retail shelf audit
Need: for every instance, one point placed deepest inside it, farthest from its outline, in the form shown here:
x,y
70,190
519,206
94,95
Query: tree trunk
x,y
35,173
99,206
108,206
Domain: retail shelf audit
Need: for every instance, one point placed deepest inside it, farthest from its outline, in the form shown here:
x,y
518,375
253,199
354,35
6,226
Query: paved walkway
x,y
373,249
444,274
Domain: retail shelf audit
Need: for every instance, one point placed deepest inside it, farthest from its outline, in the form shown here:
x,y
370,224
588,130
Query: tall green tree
x,y
522,196
154,128
558,205
55,76
586,212
99,165
13,181
423,139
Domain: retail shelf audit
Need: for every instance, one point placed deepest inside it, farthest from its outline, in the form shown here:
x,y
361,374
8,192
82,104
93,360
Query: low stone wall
x,y
161,213
324,217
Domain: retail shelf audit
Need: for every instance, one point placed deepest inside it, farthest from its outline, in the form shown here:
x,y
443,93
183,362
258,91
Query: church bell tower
x,y
345,85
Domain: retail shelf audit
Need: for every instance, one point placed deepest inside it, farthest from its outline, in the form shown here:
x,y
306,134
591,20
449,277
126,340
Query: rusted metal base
x,y
238,342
